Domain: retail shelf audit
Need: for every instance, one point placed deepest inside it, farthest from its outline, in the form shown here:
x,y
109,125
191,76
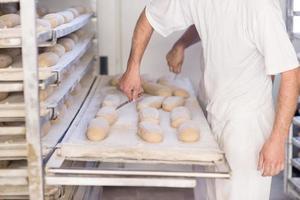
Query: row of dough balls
x,y
162,88
62,17
181,119
98,128
149,128
158,102
51,55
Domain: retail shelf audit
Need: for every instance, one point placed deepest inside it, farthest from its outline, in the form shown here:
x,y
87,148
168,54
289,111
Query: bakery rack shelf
x,y
70,58
50,140
296,141
72,26
16,173
13,149
67,85
15,130
10,77
11,37
296,162
9,1
296,121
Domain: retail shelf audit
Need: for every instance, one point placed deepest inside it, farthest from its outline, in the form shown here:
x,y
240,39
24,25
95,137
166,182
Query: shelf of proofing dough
x,y
70,58
12,37
12,129
14,173
65,87
124,143
50,140
72,26
52,74
14,73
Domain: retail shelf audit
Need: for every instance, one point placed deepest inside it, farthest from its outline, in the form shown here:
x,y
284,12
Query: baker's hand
x,y
175,58
130,84
271,157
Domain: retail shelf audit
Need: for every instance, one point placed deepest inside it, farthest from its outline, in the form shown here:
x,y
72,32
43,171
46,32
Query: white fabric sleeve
x,y
272,40
168,16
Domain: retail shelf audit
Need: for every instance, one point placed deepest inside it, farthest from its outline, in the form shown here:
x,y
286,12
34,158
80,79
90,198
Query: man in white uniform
x,y
244,43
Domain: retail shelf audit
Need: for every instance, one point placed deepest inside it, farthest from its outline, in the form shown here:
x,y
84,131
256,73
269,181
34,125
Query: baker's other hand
x,y
175,58
271,157
130,83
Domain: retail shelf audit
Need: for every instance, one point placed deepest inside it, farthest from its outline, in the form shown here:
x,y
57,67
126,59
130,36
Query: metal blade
x,y
123,104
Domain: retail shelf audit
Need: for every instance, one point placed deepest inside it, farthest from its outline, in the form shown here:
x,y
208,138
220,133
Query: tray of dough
x,y
123,142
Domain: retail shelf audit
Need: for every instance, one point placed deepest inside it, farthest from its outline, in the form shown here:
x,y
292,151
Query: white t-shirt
x,y
244,42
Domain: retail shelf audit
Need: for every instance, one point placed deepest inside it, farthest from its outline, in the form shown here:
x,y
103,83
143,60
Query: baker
x,y
245,43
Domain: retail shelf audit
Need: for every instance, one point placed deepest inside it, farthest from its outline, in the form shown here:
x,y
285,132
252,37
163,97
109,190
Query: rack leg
x,y
31,90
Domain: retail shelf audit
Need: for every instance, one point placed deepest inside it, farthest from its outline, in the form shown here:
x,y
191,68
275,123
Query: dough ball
x,y
44,94
108,113
114,81
181,93
180,115
43,25
67,43
175,90
55,19
189,132
10,20
156,89
58,49
81,33
74,11
97,129
47,59
3,95
149,114
112,100
5,60
74,37
80,9
151,101
68,15
46,127
172,102
41,11
150,132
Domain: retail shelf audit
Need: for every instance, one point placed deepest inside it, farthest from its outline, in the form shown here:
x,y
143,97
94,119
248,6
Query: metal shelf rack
x,y
22,144
292,164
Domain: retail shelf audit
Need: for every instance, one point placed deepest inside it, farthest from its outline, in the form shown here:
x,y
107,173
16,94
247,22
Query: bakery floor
x,y
138,193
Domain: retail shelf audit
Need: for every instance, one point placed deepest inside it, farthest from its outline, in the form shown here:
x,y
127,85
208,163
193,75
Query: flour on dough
x,y
149,114
180,115
150,132
97,129
108,113
189,132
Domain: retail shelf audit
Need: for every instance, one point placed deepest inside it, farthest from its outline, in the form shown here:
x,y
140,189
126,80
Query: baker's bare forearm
x,y
141,37
189,38
287,103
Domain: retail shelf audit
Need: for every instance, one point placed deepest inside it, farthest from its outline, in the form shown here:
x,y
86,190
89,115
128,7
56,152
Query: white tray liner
x,y
123,141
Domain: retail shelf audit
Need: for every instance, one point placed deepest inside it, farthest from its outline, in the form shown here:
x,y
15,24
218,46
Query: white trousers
x,y
241,137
